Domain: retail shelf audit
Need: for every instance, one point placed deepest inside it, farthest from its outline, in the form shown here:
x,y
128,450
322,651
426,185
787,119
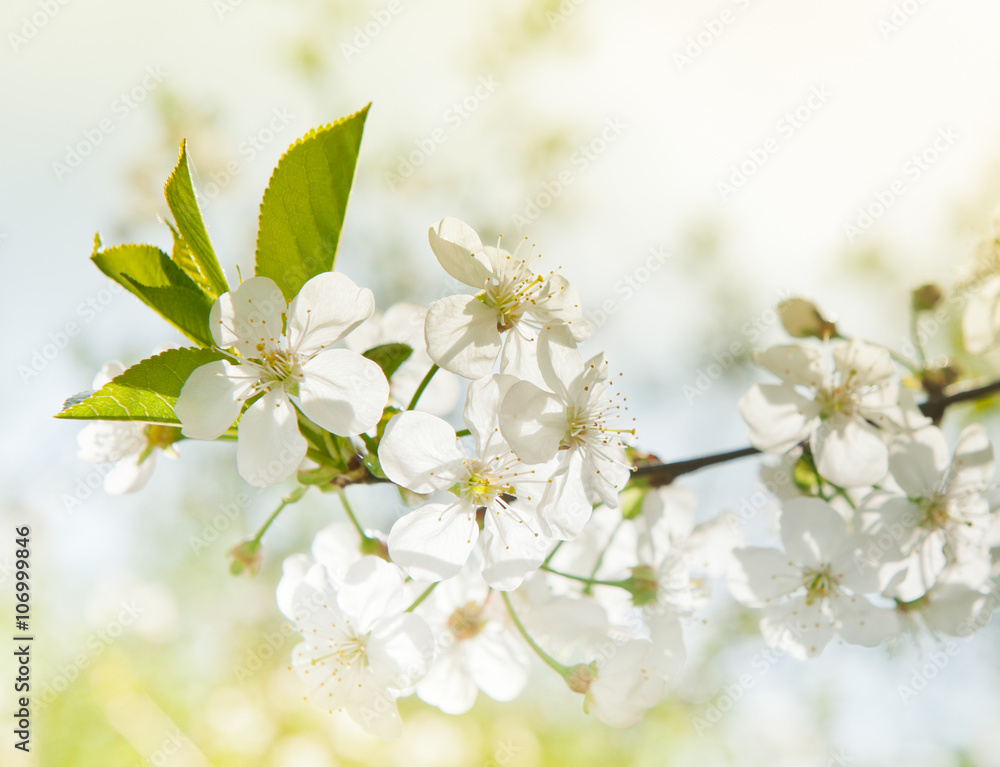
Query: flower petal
x,y
129,474
248,316
462,336
343,392
918,461
972,468
860,622
794,364
420,452
327,308
269,447
812,532
372,588
211,399
798,627
460,252
778,416
533,422
433,542
759,576
849,452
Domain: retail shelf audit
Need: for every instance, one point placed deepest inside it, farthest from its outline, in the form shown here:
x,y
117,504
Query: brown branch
x,y
658,474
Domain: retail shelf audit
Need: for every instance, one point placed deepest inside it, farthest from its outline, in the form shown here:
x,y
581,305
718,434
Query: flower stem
x,y
422,597
600,557
292,497
552,553
588,581
350,515
555,665
915,336
423,385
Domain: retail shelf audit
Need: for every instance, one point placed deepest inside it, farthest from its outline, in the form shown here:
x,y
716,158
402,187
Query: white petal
x,y
800,628
212,397
327,308
462,336
812,532
759,576
972,468
513,548
627,684
448,684
668,640
460,252
343,392
849,452
565,507
293,571
108,372
248,316
778,416
372,588
862,362
482,401
129,475
498,663
957,610
434,541
269,447
110,441
559,361
420,452
400,650
918,461
860,622
533,421
795,364
373,708
982,317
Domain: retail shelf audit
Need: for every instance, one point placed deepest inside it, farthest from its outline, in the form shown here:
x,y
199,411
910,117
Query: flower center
x,y
819,584
279,364
836,400
934,511
466,622
483,485
350,651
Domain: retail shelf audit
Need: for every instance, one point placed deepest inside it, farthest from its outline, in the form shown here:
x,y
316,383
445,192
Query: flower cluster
x,y
527,536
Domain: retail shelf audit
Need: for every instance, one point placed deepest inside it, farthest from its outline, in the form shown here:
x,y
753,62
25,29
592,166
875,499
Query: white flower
x,y
361,650
622,684
130,445
337,389
422,453
951,608
403,323
813,590
941,519
833,408
478,648
981,321
337,547
583,422
463,332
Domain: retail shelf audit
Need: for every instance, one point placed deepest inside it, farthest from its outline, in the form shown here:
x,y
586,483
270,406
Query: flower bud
x,y
643,585
580,677
926,297
246,558
801,319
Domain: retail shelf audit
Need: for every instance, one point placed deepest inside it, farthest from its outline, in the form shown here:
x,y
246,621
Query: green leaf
x,y
303,208
198,258
145,392
157,281
389,357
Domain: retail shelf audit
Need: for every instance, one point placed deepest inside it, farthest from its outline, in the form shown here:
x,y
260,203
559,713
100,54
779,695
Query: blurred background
x,y
688,165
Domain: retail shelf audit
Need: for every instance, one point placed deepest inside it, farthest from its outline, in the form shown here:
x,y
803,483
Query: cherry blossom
x,y
294,369
465,333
